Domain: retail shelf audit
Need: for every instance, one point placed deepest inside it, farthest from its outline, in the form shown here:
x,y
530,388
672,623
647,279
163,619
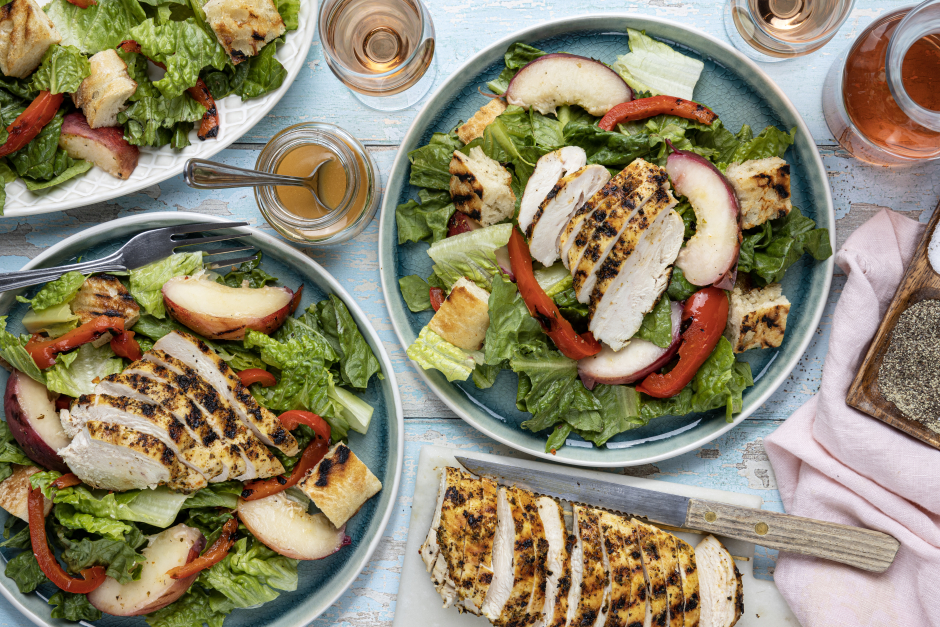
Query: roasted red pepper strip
x,y
66,481
215,554
296,417
83,4
648,107
124,345
311,456
91,577
28,124
209,127
257,375
704,319
543,308
44,351
437,297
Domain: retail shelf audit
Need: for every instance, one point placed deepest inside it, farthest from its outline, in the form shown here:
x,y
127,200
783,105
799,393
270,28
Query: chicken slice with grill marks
x,y
556,210
557,563
198,356
452,530
618,540
690,586
638,610
670,555
430,551
577,569
595,581
257,460
642,193
145,418
105,295
474,541
479,545
549,169
118,458
536,609
157,392
654,573
721,593
513,562
616,315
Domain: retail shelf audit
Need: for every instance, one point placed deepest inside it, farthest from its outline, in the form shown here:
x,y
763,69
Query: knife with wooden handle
x,y
862,548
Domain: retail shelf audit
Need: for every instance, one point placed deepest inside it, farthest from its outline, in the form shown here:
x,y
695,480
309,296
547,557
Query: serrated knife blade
x,y
862,548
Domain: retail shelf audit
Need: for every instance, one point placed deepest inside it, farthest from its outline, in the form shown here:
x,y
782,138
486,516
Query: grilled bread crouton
x,y
480,187
105,295
104,93
474,127
758,317
464,316
340,484
25,35
763,189
14,492
243,27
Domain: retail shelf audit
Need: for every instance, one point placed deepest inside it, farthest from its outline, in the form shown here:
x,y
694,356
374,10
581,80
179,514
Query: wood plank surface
x,y
736,461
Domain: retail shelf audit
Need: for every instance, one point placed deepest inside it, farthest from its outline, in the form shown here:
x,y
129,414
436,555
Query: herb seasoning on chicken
x,y
910,374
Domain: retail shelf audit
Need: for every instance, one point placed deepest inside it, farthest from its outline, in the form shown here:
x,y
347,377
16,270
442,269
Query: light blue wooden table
x,y
734,462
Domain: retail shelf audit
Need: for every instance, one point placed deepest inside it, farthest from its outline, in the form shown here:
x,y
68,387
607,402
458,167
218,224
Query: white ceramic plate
x,y
158,164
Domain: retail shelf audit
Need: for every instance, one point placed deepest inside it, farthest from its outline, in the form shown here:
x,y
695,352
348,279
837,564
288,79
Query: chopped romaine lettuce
x,y
769,249
679,287
655,67
223,494
251,574
771,142
550,390
249,272
553,280
10,452
62,290
120,558
657,324
75,373
146,283
184,47
416,292
424,219
356,411
99,27
511,327
621,412
12,351
471,255
73,607
518,55
265,74
356,360
151,121
62,70
193,609
71,518
432,352
25,572
430,164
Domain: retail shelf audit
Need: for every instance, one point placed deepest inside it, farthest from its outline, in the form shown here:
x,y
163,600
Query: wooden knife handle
x,y
862,548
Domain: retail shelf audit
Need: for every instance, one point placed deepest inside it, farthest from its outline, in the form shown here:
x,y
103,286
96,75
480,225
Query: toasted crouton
x,y
14,492
104,93
480,187
25,35
474,127
464,316
243,27
758,317
340,484
763,189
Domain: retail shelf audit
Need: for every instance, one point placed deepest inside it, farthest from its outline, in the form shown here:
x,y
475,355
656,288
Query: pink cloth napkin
x,y
837,464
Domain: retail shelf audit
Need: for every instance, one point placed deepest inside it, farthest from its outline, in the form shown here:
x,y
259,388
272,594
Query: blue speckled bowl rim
x,y
35,607
706,45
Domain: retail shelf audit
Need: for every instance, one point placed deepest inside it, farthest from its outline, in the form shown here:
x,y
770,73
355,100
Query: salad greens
x,y
548,384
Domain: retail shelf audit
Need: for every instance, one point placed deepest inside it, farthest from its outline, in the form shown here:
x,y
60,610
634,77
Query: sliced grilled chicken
x,y
617,311
654,572
627,586
452,529
595,579
549,169
198,356
628,210
156,392
513,561
115,457
557,563
105,295
690,584
145,418
670,556
536,608
434,562
257,460
720,589
479,567
556,210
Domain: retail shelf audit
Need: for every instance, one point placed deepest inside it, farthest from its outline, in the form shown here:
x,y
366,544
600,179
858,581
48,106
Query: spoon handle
x,y
202,174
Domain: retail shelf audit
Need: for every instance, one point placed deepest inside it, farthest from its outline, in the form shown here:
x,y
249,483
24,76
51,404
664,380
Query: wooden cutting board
x,y
920,282
418,604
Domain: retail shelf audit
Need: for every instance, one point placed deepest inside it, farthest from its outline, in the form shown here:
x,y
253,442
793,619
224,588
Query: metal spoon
x,y
202,174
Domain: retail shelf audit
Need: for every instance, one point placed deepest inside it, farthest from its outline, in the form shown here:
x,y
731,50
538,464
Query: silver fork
x,y
140,250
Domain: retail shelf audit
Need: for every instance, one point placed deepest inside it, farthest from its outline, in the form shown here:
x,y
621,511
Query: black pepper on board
x,y
910,373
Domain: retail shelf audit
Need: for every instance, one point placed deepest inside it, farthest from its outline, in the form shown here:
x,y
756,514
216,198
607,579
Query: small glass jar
x,y
363,186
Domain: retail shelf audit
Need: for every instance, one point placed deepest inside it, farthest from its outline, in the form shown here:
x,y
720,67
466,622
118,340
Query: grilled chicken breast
x,y
670,555
114,457
479,568
627,586
564,199
430,551
535,611
198,356
513,561
452,529
595,580
690,584
577,570
720,590
654,573
549,169
557,563
618,311
145,418
105,295
629,210
256,460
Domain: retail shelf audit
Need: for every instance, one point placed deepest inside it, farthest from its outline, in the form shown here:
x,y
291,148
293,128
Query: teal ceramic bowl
x,y
320,582
740,93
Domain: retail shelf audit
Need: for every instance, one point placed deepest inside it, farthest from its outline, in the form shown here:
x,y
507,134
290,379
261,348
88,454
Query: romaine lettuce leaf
x,y
184,47
193,609
11,350
251,574
290,13
62,290
605,147
75,373
432,352
657,324
10,452
517,55
224,494
425,219
73,607
147,282
430,164
416,292
471,255
42,159
15,91
62,70
356,360
511,327
71,518
153,121
99,27
771,142
249,271
120,558
265,73
137,69
25,572
655,67
550,390
621,409
769,249
70,170
679,287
